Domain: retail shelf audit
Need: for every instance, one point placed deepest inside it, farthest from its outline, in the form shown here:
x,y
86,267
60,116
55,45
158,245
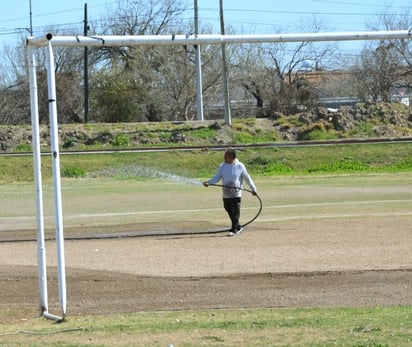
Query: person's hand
x,y
206,184
254,193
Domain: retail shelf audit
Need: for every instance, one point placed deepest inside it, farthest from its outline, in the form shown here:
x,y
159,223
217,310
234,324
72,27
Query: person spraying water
x,y
232,172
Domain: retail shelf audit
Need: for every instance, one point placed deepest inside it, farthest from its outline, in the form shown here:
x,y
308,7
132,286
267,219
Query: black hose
x,y
246,190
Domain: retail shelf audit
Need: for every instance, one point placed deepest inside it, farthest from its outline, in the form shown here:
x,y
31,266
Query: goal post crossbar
x,y
207,39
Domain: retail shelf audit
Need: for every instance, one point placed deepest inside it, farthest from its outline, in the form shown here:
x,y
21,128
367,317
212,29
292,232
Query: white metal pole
x,y
54,135
228,117
199,92
41,249
205,39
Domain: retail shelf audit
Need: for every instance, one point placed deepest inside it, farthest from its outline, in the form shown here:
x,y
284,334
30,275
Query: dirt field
x,y
343,262
336,241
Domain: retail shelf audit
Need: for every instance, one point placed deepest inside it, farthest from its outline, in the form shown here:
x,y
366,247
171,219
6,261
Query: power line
x,y
312,13
48,14
76,26
359,4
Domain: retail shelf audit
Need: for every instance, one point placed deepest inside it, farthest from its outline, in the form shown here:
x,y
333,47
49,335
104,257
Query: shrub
x,y
73,171
24,147
121,140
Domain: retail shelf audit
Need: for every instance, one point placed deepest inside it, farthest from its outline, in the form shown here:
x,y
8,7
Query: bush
x,y
121,140
73,171
24,147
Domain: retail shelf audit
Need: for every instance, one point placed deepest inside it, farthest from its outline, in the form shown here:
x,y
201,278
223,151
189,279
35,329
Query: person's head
x,y
230,155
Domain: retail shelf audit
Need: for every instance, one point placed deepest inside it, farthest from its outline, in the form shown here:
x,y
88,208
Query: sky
x,y
245,16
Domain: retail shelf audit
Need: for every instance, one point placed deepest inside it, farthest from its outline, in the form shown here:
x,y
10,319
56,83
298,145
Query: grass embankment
x,y
333,159
361,327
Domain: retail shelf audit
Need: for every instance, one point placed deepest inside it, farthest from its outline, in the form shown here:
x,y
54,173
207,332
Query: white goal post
x,y
49,41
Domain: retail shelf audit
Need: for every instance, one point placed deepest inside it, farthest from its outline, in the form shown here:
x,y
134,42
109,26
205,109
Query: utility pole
x,y
199,92
228,120
86,69
31,20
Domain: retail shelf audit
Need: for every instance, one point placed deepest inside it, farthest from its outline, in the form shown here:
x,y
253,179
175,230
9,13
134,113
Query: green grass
x,y
307,160
377,326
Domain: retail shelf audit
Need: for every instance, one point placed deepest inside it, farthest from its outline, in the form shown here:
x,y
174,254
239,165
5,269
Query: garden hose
x,y
246,190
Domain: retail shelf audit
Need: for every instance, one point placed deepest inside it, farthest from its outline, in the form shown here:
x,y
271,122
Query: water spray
x,y
137,171
246,190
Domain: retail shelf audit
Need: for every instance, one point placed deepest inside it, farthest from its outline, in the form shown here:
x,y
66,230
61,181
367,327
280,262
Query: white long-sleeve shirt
x,y
232,175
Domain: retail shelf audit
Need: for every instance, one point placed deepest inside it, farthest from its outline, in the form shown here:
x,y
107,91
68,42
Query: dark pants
x,y
232,207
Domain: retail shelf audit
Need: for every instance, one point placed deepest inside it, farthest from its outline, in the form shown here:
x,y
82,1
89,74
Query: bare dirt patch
x,y
345,262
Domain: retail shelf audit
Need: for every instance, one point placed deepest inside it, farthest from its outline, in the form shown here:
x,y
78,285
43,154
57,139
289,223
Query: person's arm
x,y
249,180
216,178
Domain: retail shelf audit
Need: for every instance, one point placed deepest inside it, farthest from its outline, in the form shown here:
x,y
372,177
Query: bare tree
x,y
402,48
14,92
166,75
149,70
271,73
14,104
385,66
376,73
138,17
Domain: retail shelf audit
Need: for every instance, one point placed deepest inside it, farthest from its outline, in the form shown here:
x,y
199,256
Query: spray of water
x,y
136,171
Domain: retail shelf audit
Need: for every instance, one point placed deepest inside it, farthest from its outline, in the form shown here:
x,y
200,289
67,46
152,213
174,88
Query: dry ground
x,y
334,246
340,263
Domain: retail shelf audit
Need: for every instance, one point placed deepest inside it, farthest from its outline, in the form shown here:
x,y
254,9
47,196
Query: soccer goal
x,y
48,42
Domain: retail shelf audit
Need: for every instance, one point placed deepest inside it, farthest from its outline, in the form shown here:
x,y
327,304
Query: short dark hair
x,y
231,152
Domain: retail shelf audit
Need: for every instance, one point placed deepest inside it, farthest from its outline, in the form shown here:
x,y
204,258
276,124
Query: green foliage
x,y
245,131
363,129
259,160
319,134
24,147
215,126
317,131
121,140
278,169
72,171
402,165
340,166
268,165
203,133
265,161
165,136
291,120
102,137
399,107
243,137
116,95
68,143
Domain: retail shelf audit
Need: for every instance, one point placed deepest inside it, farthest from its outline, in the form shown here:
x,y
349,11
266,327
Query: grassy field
x,y
361,327
282,175
336,159
169,203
